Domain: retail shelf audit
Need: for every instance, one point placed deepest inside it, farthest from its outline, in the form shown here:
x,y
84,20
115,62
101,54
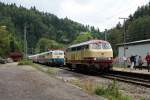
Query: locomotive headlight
x,y
109,58
94,58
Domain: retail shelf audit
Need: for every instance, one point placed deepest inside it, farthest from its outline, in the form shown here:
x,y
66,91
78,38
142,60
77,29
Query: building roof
x,y
88,42
134,42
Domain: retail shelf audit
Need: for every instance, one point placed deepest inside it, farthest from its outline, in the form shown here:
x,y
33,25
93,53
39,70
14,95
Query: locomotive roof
x,y
58,51
50,51
88,42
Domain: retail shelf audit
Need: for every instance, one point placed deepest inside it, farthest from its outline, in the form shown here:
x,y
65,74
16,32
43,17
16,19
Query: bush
x,y
142,98
111,92
25,62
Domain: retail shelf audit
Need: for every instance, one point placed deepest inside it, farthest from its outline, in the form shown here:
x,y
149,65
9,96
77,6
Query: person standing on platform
x,y
148,61
136,57
140,62
132,60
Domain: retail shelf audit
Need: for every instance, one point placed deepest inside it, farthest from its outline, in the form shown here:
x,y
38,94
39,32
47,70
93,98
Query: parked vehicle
x,y
9,60
3,61
16,56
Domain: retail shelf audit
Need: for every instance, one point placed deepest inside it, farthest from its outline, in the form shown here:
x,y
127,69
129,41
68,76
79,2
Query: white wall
x,y
139,49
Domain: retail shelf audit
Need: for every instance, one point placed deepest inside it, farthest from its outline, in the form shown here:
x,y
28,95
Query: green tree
x,y
84,36
44,44
4,41
115,36
139,29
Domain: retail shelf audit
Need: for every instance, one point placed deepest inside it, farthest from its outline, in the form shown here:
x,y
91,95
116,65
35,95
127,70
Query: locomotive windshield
x,y
101,46
97,46
106,46
58,53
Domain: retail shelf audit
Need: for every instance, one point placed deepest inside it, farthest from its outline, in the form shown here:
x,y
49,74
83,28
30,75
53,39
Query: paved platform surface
x,y
27,83
143,71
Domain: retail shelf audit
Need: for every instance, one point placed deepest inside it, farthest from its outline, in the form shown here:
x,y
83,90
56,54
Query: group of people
x,y
137,61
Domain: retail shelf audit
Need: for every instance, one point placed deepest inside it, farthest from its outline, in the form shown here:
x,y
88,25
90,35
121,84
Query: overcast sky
x,y
99,13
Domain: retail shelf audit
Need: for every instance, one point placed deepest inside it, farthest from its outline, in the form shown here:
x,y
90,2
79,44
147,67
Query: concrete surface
x,y
27,83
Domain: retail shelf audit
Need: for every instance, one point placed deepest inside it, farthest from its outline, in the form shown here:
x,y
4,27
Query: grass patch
x,y
75,82
25,62
87,85
46,69
142,98
42,68
111,92
38,67
52,70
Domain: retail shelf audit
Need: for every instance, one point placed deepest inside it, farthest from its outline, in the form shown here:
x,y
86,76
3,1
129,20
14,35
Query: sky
x,y
103,14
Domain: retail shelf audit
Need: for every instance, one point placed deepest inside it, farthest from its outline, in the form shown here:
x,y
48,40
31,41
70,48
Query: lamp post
x,y
25,41
124,38
105,32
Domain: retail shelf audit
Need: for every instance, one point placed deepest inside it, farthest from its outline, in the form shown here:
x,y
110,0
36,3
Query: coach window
x,y
73,49
79,48
61,53
82,48
86,47
68,50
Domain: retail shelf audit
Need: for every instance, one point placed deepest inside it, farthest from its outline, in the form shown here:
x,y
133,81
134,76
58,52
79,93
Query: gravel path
x,y
27,83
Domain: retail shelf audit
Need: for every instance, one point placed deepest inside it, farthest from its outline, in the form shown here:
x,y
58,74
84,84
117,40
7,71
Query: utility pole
x,y
105,32
25,41
124,37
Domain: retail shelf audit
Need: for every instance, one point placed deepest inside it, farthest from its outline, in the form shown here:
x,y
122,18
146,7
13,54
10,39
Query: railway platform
x,y
125,69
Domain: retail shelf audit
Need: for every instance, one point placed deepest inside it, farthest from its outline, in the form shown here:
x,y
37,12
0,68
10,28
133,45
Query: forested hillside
x,y
45,30
41,25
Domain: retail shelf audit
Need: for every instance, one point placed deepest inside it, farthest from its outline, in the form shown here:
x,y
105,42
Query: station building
x,y
140,48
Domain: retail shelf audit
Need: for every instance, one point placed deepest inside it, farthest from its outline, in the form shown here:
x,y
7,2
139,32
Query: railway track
x,y
128,77
134,78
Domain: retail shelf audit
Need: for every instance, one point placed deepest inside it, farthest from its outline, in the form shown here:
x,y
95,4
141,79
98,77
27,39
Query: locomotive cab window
x,y
106,46
96,46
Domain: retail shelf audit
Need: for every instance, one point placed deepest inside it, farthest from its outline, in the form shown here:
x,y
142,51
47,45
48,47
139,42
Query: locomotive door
x,y
82,53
